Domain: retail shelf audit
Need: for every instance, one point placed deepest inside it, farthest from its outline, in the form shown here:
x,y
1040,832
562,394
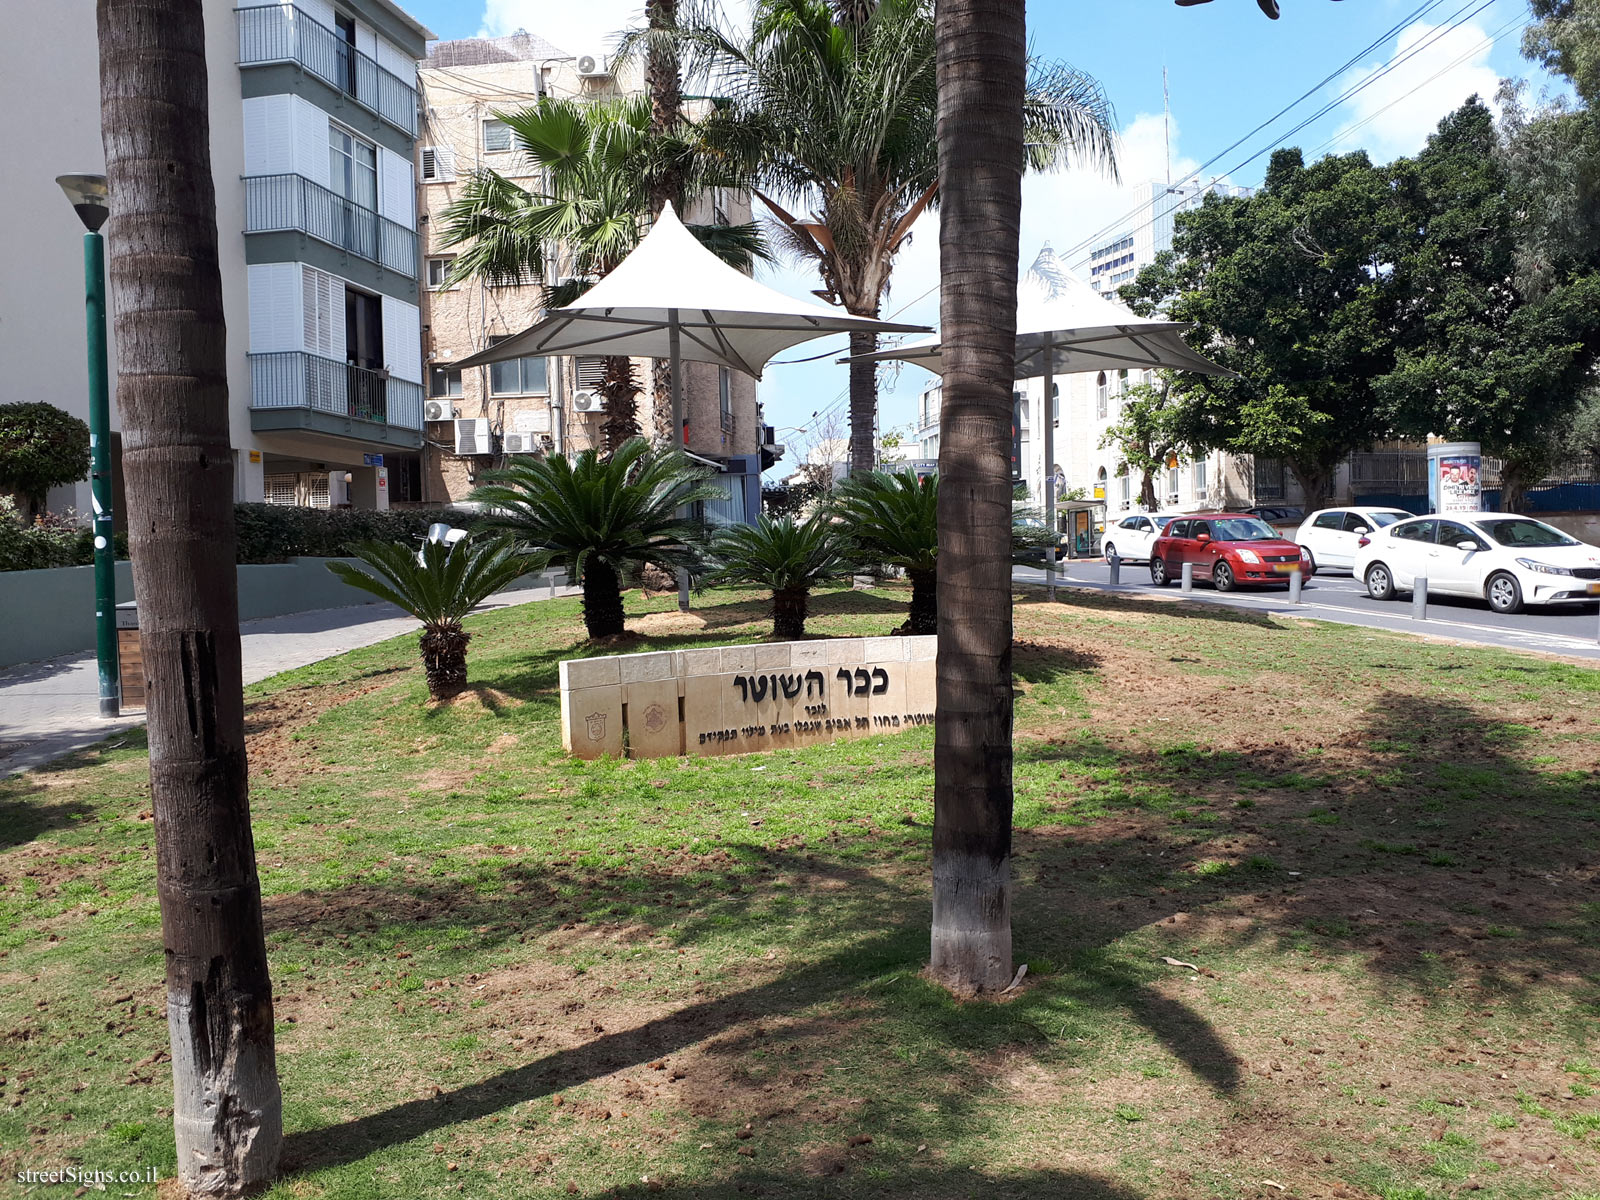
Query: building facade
x,y
477,419
313,115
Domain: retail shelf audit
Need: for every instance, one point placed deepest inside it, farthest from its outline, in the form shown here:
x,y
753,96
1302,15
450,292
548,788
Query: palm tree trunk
x,y
982,55
789,613
173,396
924,601
863,401
666,101
602,601
621,392
444,659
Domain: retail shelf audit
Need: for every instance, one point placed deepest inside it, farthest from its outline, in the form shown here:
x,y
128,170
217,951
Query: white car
x,y
1132,537
1500,557
1330,535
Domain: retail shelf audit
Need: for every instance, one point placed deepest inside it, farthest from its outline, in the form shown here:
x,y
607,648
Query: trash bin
x,y
130,658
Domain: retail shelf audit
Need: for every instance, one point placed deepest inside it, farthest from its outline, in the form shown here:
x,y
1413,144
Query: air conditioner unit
x,y
593,66
1172,499
473,436
588,402
1200,493
520,443
438,410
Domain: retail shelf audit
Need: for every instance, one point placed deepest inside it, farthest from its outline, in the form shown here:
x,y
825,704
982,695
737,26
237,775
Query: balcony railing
x,y
293,202
294,379
272,33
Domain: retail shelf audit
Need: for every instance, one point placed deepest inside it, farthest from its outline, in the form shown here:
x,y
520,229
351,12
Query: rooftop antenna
x,y
1166,100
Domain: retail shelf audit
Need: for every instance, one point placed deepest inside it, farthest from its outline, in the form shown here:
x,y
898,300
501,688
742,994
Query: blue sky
x,y
1229,69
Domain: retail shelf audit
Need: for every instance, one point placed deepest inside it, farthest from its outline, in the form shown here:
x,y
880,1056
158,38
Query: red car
x,y
1229,549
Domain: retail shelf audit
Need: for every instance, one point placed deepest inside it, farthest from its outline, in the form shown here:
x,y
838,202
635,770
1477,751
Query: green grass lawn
x,y
1309,910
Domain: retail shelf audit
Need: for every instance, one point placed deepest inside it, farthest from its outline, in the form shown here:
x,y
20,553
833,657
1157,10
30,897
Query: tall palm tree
x,y
439,590
172,391
601,517
982,70
830,105
600,165
787,556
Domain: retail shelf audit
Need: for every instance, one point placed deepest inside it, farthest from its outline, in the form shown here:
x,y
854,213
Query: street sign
x,y
372,460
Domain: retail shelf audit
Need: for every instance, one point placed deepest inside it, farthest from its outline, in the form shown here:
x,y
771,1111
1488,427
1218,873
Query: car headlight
x,y
1543,568
1249,556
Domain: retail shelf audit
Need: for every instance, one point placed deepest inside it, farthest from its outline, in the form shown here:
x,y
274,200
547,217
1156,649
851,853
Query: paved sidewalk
x,y
48,709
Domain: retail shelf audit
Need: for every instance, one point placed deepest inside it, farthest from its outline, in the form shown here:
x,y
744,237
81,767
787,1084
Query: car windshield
x,y
1244,529
1520,531
1386,518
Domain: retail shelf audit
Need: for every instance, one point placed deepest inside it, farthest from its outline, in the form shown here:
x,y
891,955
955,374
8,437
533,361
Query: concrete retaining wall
x,y
50,613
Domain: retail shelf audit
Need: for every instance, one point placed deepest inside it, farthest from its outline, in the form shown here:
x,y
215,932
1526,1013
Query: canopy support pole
x,y
1049,488
675,363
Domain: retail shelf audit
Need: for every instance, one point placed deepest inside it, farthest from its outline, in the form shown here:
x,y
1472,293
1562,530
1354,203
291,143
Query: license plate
x,y
1594,589
1285,568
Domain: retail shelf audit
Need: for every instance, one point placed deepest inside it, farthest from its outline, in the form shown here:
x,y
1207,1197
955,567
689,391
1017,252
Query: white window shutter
x,y
396,190
402,339
311,127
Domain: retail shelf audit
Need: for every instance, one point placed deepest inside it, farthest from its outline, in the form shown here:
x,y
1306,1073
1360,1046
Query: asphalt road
x,y
1335,596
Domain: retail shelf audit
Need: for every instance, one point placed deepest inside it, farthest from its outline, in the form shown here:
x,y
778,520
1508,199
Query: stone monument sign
x,y
741,699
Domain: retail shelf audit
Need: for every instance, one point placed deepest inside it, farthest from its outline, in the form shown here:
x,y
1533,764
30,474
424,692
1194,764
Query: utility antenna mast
x,y
1166,100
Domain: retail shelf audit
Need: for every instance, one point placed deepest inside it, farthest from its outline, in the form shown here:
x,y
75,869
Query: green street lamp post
x,y
88,196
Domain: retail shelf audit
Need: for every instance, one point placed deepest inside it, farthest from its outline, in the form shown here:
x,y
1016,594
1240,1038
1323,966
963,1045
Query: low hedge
x,y
268,533
275,533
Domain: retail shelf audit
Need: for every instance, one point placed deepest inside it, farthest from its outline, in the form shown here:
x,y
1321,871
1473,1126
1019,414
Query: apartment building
x,y
313,114
477,419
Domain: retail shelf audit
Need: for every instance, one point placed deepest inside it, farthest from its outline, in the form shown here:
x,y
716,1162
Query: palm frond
x,y
447,584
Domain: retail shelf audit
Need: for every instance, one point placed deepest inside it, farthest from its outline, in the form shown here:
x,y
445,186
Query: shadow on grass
x,y
908,1182
26,811
1094,600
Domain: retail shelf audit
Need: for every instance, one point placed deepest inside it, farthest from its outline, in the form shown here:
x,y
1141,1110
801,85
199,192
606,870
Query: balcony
x,y
295,390
281,33
274,203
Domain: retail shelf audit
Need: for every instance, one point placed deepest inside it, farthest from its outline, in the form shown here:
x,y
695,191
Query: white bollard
x,y
1296,582
1115,563
1188,578
683,590
1419,598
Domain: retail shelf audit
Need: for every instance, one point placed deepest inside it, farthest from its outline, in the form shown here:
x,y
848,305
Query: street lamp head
x,y
89,198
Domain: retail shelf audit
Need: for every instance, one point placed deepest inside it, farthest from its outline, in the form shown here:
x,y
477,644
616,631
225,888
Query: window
x,y
725,398
1354,523
352,167
1055,402
1172,484
1451,532
317,297
1125,487
438,164
405,477
1131,523
1179,529
439,272
1330,520
1102,393
1415,531
1269,479
518,376
1199,529
444,381
496,137
1200,478
1122,382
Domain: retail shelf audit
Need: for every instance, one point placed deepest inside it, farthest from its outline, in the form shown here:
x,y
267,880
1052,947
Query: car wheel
x,y
1311,561
1110,551
1504,593
1158,571
1380,584
1222,577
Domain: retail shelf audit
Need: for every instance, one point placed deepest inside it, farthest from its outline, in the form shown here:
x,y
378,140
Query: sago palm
x,y
439,591
830,106
599,163
787,557
601,517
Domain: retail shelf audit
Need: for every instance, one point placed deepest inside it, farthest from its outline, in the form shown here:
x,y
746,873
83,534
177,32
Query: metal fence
x,y
293,202
295,379
283,33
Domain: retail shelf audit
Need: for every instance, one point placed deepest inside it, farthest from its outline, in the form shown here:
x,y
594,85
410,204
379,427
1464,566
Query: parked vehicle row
x,y
1507,560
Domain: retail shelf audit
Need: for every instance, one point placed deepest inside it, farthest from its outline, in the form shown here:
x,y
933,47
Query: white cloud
x,y
1445,69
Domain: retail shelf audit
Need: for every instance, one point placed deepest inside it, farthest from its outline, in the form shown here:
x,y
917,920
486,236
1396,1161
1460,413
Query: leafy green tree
x,y
832,105
1287,289
41,447
1153,427
1565,37
786,556
1486,353
603,163
601,517
439,591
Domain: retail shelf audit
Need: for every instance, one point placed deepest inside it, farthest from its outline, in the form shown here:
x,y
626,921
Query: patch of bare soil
x,y
477,700
664,624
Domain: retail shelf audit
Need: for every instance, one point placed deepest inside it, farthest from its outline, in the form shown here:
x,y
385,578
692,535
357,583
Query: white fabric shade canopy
x,y
672,298
1087,331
